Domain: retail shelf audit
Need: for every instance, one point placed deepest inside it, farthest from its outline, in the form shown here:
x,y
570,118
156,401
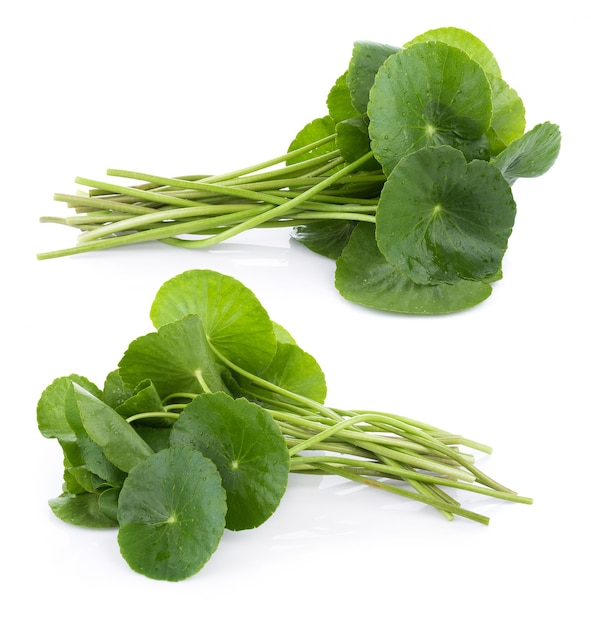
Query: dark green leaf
x,y
108,504
248,449
428,95
508,113
157,438
366,59
441,220
353,141
171,513
325,237
364,276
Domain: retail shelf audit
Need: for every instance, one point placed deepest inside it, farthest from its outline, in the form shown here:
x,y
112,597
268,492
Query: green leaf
x,y
145,400
282,334
294,370
315,130
121,445
171,514
508,113
353,141
233,318
176,358
531,155
366,59
246,446
108,503
81,510
428,95
339,102
324,237
464,40
115,391
51,407
85,461
365,277
441,220
508,118
156,437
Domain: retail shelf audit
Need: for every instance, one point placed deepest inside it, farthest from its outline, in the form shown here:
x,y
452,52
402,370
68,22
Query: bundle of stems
x,y
372,448
198,211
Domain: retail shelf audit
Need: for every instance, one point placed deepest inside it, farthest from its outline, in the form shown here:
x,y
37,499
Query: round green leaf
x,y
364,276
508,114
428,95
233,318
171,513
441,220
175,358
248,449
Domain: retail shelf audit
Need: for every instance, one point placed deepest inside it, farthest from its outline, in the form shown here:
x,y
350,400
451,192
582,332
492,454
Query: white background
x,y
192,87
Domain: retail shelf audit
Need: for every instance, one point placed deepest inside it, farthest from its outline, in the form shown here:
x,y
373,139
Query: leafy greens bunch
x,y
406,182
198,427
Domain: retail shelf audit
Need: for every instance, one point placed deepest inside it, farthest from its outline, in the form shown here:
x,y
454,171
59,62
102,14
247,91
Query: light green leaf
x,y
233,319
466,41
296,371
339,102
51,407
315,130
176,358
508,119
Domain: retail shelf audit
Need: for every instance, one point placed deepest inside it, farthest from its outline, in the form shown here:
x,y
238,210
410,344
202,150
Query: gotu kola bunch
x,y
406,181
197,428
